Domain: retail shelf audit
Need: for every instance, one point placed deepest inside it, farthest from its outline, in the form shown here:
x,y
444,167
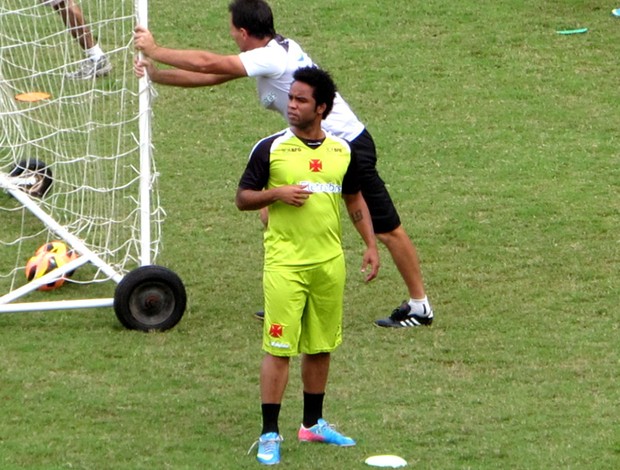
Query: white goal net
x,y
83,134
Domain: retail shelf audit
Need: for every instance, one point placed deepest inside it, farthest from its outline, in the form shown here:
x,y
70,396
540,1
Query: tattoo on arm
x,y
356,216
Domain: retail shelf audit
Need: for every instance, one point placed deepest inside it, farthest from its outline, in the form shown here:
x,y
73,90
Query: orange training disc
x,y
32,96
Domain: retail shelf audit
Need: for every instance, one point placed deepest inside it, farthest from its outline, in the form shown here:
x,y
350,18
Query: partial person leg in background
x,y
97,64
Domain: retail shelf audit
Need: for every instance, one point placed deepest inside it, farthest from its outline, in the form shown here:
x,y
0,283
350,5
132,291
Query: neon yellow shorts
x,y
303,309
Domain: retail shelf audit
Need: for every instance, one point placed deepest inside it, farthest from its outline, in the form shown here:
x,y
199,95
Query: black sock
x,y
271,412
313,408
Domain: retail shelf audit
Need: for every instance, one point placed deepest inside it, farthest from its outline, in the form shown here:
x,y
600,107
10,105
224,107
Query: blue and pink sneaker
x,y
324,432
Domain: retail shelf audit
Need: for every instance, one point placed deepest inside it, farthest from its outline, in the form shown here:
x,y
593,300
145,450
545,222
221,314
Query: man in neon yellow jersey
x,y
300,175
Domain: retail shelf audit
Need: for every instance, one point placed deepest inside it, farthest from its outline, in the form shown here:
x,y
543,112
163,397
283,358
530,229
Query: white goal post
x,y
76,162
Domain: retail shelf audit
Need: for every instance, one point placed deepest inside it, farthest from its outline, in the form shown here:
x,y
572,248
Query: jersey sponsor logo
x,y
313,187
279,345
276,330
316,165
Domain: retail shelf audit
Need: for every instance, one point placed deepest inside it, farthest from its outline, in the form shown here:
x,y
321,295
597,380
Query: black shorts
x,y
382,211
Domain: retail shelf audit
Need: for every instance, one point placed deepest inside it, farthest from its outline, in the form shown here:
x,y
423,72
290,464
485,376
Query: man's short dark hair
x,y
324,88
255,16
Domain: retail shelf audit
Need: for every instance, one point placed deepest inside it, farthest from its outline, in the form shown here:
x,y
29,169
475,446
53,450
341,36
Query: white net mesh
x,y
86,133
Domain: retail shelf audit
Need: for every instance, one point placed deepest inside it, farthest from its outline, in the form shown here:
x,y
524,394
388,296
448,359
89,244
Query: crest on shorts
x,y
275,330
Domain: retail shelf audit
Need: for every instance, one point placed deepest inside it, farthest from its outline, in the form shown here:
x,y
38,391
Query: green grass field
x,y
498,139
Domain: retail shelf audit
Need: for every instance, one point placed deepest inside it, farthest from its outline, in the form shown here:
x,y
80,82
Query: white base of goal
x,y
150,298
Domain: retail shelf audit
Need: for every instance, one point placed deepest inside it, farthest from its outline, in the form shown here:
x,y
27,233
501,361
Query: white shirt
x,y
273,66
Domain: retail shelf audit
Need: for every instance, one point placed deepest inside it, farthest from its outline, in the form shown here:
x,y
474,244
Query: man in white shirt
x,y
272,60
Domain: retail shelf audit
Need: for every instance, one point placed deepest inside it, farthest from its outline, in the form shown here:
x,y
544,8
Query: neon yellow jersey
x,y
298,237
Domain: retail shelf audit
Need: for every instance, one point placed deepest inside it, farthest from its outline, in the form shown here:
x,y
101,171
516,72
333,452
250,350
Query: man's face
x,y
302,110
238,36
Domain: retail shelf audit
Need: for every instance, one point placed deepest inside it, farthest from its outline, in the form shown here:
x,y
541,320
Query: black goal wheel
x,y
35,178
150,298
